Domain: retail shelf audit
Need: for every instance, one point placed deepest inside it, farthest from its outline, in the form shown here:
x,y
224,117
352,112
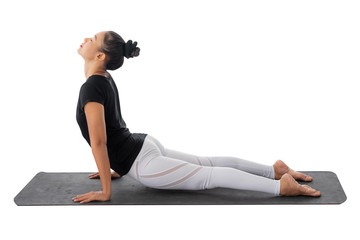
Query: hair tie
x,y
130,49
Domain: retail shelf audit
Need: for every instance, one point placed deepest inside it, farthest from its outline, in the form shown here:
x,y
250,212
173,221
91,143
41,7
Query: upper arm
x,y
95,117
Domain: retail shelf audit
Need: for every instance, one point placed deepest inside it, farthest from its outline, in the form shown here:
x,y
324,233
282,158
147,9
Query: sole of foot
x,y
289,187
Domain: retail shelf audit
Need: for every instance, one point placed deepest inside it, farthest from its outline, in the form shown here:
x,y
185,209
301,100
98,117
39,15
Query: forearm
x,y
103,164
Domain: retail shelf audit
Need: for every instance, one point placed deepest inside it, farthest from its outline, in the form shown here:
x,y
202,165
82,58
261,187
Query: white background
x,y
259,80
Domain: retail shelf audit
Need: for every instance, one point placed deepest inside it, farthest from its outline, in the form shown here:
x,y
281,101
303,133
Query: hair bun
x,y
131,50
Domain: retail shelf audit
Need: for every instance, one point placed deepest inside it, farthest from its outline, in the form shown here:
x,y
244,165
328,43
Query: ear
x,y
101,56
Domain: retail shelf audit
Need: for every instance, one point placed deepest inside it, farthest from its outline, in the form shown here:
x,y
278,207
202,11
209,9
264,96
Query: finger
x,y
88,198
78,198
75,199
82,200
81,197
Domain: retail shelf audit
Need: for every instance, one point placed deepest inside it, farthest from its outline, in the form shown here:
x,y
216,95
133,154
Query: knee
x,y
199,181
218,175
206,161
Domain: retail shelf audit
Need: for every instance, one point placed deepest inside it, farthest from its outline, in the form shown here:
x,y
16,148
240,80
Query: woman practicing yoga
x,y
143,157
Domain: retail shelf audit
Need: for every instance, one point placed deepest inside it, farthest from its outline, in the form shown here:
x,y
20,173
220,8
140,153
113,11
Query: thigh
x,y
191,158
164,172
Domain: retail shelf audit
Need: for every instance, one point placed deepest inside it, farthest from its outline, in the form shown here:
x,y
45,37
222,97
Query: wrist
x,y
107,194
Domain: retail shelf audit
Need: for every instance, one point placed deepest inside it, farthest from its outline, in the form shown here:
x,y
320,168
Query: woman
x,y
142,156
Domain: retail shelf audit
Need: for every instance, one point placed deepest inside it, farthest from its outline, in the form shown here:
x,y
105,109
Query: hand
x,y
92,196
97,175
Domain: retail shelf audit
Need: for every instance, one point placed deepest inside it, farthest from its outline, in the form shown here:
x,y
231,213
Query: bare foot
x,y
281,168
289,187
115,174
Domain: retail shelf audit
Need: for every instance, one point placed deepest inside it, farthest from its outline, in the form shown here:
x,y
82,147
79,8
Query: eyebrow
x,y
95,37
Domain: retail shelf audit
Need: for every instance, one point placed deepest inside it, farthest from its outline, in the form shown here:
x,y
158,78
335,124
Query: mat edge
x,y
15,199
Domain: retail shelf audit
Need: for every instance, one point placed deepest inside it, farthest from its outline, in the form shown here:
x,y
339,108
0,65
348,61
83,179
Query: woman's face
x,y
89,49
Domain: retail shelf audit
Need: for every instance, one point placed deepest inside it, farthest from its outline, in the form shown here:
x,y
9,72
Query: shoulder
x,y
96,80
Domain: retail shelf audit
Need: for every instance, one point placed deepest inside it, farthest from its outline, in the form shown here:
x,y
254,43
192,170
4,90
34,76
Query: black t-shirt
x,y
123,146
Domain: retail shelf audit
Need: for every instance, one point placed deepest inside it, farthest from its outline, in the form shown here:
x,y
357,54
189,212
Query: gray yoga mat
x,y
58,188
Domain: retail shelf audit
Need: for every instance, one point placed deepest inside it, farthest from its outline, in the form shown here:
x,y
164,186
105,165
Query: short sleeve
x,y
91,93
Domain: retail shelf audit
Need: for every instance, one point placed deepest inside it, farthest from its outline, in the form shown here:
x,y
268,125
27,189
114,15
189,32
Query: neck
x,y
92,68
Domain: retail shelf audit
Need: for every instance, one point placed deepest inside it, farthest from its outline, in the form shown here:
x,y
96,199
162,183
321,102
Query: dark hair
x,y
116,49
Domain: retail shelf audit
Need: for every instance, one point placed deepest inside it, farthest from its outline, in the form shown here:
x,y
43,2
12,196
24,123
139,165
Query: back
x,y
123,146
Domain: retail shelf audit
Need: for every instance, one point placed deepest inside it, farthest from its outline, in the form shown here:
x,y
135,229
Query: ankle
x,y
280,168
277,175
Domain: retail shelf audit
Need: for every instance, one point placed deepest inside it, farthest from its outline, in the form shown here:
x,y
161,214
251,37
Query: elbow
x,y
97,144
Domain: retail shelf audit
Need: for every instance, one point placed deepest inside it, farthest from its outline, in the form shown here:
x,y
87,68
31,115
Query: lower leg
x,y
236,179
232,178
259,169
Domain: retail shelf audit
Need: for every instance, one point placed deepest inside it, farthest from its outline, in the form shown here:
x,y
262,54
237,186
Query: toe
x,y
305,178
301,176
309,191
308,178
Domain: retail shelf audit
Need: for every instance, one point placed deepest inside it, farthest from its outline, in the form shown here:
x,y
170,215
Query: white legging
x,y
162,168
